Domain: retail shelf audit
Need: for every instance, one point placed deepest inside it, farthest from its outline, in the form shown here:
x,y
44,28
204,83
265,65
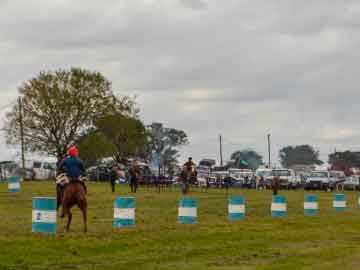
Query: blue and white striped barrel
x,y
339,202
124,212
44,215
236,208
311,205
278,206
14,184
187,211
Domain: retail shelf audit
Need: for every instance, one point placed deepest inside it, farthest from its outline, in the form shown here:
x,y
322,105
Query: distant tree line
x,y
297,155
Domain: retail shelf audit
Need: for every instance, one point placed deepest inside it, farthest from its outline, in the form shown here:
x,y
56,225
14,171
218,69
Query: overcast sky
x,y
239,68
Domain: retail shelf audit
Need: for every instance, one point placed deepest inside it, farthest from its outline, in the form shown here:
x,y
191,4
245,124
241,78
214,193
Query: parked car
x,y
261,173
288,179
352,183
202,181
8,168
240,176
99,173
40,170
265,173
208,163
318,180
217,178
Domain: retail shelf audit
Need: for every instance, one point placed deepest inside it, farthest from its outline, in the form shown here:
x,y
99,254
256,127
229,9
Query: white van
x,y
288,179
265,173
41,170
318,180
239,175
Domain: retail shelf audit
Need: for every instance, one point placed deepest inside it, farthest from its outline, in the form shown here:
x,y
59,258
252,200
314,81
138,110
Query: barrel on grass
x,y
339,202
124,212
311,205
236,208
14,184
44,215
279,206
187,211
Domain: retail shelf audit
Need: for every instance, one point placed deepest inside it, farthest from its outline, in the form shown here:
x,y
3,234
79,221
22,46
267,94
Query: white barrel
x,y
187,211
124,212
44,215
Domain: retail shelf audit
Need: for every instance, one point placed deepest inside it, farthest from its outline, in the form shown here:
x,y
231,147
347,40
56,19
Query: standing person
x,y
113,177
261,184
275,184
189,164
134,173
190,167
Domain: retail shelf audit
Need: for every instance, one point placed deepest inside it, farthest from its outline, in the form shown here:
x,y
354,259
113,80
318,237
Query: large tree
x,y
94,146
299,154
117,136
165,143
59,106
247,159
346,158
344,161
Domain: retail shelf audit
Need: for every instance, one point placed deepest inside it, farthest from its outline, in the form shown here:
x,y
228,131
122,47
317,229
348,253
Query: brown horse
x,y
74,194
188,176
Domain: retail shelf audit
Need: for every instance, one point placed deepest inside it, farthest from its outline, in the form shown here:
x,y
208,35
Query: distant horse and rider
x,y
71,188
188,176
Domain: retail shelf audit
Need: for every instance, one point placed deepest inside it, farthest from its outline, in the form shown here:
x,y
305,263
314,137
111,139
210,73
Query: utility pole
x,y
269,150
22,135
221,152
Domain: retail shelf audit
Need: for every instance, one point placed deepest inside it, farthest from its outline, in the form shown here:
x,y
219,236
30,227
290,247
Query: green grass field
x,y
328,241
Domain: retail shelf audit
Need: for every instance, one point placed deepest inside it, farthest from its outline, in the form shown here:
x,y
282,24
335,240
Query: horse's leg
x,y
83,208
63,212
85,218
66,211
62,201
69,214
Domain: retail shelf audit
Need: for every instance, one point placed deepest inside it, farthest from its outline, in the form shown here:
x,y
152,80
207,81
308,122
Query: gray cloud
x,y
240,68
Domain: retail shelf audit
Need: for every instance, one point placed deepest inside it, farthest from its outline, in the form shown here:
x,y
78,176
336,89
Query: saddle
x,y
62,179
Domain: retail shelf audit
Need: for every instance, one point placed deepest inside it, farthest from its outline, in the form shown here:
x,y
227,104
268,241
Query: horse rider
x,y
190,166
74,166
135,174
